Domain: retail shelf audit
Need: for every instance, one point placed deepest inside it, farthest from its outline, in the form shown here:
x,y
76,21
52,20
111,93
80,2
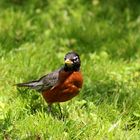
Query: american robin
x,y
60,85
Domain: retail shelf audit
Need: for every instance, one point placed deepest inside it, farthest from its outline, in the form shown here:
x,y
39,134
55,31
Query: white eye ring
x,y
75,58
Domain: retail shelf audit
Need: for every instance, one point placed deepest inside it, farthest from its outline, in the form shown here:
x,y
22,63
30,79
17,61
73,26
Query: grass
x,y
35,36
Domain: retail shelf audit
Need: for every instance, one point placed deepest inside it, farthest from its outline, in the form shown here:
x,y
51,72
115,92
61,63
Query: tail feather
x,y
31,84
37,85
24,85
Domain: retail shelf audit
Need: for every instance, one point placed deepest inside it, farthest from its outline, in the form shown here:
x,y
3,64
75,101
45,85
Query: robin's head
x,y
72,61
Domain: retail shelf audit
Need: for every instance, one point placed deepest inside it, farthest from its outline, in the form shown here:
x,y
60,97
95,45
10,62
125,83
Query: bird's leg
x,y
51,112
49,108
61,115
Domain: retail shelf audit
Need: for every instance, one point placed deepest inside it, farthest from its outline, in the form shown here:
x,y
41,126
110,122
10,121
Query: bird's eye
x,y
75,59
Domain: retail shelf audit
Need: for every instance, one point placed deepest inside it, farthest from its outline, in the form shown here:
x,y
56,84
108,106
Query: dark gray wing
x,y
48,81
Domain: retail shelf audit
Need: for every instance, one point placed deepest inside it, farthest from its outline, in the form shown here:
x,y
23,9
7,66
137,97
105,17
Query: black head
x,y
72,62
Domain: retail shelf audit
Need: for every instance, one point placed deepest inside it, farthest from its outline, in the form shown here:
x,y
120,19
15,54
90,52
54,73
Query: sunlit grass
x,y
35,36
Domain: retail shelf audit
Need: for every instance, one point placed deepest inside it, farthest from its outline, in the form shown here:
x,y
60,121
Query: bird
x,y
60,85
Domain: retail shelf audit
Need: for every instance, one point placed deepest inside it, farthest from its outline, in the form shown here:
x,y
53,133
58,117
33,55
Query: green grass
x,y
34,37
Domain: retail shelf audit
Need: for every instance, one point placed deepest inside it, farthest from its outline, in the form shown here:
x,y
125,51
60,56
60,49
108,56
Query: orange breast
x,y
68,87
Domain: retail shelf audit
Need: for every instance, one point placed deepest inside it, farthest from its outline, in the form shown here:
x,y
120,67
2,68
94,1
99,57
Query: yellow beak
x,y
68,62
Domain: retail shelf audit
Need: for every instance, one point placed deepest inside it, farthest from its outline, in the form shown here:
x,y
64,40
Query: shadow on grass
x,y
110,27
36,104
122,43
23,4
104,27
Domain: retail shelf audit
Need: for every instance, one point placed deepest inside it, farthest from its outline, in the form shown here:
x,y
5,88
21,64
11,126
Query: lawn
x,y
34,37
